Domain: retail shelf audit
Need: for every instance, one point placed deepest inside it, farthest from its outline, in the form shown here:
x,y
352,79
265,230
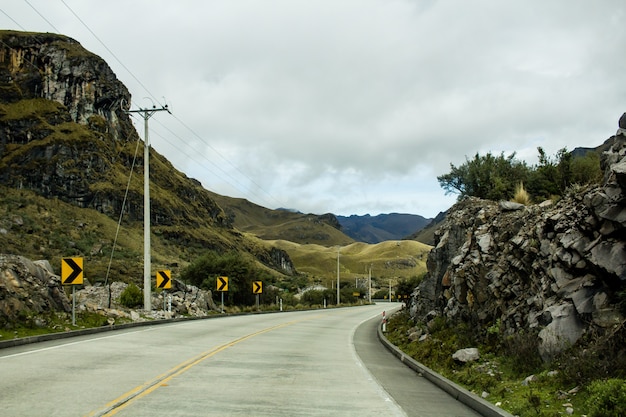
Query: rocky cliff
x,y
554,270
64,133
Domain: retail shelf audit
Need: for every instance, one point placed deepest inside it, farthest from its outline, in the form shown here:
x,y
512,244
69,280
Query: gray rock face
x,y
31,289
549,269
28,288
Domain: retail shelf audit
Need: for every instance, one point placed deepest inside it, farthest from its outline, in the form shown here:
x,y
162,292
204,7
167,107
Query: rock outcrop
x,y
65,133
552,269
28,289
30,292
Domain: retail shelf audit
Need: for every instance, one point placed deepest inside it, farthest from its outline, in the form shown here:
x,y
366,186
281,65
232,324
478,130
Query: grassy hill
x,y
270,224
44,228
390,260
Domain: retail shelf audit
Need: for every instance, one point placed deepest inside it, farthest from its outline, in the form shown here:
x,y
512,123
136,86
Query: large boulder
x,y
28,289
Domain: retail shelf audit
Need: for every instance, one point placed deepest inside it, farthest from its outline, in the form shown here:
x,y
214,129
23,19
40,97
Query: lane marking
x,y
29,352
124,400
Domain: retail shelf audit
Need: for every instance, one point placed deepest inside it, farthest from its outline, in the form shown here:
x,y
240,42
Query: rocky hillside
x,y
555,271
65,134
32,294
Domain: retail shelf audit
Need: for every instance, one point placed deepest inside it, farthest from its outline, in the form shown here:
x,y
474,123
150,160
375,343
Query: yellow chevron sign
x,y
222,283
164,279
72,271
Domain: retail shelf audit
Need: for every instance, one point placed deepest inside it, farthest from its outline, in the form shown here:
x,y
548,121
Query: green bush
x,y
132,296
607,398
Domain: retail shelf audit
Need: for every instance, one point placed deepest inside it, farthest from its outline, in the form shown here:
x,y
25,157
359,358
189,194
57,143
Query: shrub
x,y
132,296
607,398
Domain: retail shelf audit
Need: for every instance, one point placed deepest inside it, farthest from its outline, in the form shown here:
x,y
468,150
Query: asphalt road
x,y
287,364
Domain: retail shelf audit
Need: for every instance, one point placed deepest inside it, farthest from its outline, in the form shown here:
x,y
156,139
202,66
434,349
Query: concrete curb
x,y
93,330
468,398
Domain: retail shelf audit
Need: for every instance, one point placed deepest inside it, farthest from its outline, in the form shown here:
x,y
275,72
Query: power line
x,y
225,159
175,117
111,52
233,181
193,157
42,16
13,20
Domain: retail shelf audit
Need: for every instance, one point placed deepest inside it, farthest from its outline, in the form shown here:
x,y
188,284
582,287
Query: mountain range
x,y
375,229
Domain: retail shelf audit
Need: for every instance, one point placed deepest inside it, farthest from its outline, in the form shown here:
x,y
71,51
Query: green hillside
x,y
390,260
270,224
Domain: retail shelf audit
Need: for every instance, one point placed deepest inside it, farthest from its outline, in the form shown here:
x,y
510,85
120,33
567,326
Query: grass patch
x,y
511,373
40,324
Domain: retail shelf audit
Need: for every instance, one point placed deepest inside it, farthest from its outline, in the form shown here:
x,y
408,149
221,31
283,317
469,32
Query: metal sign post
x,y
73,305
222,286
72,274
257,288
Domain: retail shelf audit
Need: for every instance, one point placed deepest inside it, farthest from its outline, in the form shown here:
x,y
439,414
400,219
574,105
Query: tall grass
x,y
521,195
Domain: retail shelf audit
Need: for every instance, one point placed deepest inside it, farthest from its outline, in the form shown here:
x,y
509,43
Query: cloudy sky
x,y
352,106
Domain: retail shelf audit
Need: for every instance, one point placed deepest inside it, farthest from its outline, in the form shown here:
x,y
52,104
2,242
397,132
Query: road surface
x,y
284,364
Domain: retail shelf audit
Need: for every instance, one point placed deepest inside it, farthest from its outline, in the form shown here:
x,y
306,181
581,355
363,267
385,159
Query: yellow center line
x,y
113,407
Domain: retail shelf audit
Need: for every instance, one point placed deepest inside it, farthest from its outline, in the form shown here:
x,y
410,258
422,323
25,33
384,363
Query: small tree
x,y
489,177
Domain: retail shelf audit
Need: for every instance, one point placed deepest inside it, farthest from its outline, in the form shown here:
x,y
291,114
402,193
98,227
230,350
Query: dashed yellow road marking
x,y
124,400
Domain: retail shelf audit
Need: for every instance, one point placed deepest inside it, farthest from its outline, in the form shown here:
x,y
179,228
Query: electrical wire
x,y
13,20
111,52
175,117
119,222
42,16
225,159
244,189
232,180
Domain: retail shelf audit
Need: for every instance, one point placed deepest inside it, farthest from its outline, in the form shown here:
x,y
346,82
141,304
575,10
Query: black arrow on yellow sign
x,y
257,287
222,283
72,271
163,279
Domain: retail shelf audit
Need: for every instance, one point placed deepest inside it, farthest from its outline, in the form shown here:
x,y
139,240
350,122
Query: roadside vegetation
x,y
500,177
587,380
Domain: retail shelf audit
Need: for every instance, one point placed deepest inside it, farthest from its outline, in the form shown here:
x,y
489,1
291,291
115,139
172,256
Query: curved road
x,y
287,364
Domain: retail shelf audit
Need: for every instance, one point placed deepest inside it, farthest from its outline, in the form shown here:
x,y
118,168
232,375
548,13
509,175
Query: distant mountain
x,y
427,233
375,229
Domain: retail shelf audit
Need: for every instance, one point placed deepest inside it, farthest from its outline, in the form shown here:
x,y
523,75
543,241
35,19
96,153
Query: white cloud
x,y
355,106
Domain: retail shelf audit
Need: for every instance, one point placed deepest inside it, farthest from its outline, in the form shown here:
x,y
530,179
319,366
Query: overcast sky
x,y
355,106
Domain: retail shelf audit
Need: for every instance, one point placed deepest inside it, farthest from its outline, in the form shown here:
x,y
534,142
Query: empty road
x,y
284,364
